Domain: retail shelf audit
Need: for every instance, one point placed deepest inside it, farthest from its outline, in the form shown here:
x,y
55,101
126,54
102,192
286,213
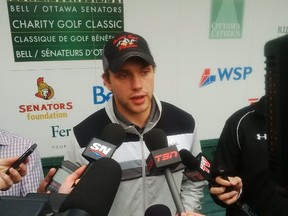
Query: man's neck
x,y
139,120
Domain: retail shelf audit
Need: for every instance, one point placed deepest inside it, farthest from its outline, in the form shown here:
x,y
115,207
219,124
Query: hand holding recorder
x,y
15,174
13,169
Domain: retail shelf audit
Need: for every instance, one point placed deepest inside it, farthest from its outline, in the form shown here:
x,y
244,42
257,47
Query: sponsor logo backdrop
x,y
209,57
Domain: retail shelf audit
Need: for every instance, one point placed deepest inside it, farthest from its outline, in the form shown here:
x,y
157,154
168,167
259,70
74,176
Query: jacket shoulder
x,y
91,127
175,120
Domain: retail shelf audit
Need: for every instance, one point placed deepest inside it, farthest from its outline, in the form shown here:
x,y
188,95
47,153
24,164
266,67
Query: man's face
x,y
132,87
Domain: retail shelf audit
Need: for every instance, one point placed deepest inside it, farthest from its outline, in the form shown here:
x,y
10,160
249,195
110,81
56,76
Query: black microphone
x,y
197,169
111,138
96,190
158,210
162,159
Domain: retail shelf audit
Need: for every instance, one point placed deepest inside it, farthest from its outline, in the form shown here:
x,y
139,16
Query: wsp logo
x,y
225,74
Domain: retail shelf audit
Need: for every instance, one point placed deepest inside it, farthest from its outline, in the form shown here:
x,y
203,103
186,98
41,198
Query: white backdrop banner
x,y
209,56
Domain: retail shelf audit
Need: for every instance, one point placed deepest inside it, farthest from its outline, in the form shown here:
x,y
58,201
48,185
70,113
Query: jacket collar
x,y
128,127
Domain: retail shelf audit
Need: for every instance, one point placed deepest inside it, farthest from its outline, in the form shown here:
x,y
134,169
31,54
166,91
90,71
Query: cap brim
x,y
117,63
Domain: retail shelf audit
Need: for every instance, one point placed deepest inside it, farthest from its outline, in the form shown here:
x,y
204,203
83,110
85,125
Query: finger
x,y
231,200
9,161
6,163
229,197
76,182
26,161
217,190
78,172
5,182
236,181
44,183
14,175
222,181
71,180
22,169
50,174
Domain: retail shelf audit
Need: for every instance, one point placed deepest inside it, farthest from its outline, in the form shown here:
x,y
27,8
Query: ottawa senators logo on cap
x,y
126,41
45,91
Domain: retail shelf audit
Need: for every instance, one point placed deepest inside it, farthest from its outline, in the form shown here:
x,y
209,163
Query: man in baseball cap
x,y
129,70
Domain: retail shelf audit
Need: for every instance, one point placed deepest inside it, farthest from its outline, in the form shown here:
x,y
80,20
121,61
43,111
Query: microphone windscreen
x,y
157,210
96,190
188,160
155,139
113,133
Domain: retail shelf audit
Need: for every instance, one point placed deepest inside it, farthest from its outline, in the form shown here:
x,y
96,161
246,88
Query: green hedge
x,y
50,162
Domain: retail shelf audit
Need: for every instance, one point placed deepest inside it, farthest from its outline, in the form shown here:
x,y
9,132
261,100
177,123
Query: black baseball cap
x,y
123,46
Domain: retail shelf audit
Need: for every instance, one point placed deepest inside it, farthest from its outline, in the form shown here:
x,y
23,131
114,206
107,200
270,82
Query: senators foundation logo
x,y
45,91
49,109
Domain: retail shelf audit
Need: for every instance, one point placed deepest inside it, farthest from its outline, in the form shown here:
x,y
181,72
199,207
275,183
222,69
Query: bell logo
x,y
100,96
100,149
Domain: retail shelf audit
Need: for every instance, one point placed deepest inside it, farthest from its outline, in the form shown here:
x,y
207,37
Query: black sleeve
x,y
227,156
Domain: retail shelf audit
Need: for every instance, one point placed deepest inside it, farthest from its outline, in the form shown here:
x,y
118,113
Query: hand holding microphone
x,y
227,191
199,169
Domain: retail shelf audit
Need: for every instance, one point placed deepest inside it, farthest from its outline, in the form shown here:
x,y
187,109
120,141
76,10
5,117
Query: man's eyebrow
x,y
128,70
123,71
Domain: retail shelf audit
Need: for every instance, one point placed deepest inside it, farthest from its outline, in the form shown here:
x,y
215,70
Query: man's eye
x,y
122,75
145,72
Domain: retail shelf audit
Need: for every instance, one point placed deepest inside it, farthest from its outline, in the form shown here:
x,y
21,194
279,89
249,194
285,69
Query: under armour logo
x,y
261,137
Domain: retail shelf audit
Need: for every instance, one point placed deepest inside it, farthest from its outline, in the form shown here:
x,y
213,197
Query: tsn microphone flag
x,y
160,159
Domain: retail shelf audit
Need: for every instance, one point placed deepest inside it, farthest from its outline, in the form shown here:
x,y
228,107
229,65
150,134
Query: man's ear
x,y
106,81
